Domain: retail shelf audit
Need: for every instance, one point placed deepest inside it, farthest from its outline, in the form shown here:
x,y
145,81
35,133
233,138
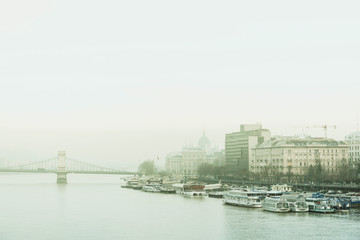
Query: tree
x,y
219,171
163,173
147,168
289,174
311,173
346,172
206,169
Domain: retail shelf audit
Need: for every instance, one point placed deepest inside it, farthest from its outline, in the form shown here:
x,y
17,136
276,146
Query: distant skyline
x,y
118,82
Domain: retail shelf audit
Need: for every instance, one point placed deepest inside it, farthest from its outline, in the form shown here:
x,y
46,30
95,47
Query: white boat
x,y
213,187
217,194
193,190
131,183
275,205
261,188
319,206
149,188
178,187
244,199
296,202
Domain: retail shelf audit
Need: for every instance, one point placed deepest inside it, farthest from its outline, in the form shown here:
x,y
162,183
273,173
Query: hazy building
x,y
353,140
204,143
353,137
173,163
238,145
354,153
296,155
185,163
216,158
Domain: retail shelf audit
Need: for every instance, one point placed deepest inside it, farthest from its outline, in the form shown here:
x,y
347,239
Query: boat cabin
x,y
282,188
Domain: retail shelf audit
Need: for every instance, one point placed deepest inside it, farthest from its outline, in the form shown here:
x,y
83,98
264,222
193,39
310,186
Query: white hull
x,y
249,205
294,208
241,202
299,209
277,210
243,199
154,191
150,189
275,205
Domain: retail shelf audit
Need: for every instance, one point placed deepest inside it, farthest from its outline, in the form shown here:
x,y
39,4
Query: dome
x,y
204,142
355,136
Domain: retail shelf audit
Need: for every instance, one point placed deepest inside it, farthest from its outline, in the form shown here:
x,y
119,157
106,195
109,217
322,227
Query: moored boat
x,y
340,204
149,188
216,194
244,199
278,205
296,202
131,183
274,194
213,187
137,187
177,187
167,190
352,198
319,205
193,190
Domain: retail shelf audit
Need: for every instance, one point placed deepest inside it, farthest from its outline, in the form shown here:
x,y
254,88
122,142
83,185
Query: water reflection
x,y
104,210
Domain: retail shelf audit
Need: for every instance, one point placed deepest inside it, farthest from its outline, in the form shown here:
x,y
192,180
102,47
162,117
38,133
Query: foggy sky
x,y
118,82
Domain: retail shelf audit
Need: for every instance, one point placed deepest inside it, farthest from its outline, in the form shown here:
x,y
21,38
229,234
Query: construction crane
x,y
325,127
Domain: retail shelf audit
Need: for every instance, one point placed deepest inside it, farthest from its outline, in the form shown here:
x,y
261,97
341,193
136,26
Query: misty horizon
x,y
119,83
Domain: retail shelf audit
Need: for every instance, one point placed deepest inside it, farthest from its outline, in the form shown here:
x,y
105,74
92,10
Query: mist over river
x,y
33,206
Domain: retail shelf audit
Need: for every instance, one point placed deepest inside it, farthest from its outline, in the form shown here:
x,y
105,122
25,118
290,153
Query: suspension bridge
x,y
61,166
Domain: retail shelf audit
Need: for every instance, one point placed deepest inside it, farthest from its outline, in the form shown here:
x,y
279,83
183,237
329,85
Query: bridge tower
x,y
61,170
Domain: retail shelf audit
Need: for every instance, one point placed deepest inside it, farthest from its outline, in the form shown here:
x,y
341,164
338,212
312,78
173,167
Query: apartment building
x,y
238,146
296,155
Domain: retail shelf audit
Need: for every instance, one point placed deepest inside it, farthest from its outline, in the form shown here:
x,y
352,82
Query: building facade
x,y
354,153
295,155
353,140
185,163
238,146
216,158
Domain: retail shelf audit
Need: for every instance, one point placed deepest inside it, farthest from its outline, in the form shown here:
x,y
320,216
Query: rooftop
x,y
309,142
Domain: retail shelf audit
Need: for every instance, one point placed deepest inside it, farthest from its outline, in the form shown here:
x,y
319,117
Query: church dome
x,y
204,142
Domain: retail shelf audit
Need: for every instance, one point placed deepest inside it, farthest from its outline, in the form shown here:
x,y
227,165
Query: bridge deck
x,y
67,172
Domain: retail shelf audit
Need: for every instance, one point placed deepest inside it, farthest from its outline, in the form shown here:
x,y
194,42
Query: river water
x,y
33,206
